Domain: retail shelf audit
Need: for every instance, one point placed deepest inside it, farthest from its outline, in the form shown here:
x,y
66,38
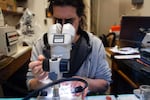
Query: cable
x,y
78,89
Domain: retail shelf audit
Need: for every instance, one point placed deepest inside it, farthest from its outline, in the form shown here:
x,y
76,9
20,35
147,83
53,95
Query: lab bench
x,y
10,65
127,74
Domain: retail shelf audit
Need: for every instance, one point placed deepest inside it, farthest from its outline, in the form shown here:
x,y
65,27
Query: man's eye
x,y
69,21
56,20
59,21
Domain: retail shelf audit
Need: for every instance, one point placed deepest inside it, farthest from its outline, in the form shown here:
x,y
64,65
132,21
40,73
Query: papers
x,y
127,56
127,97
120,97
100,97
146,49
125,53
125,50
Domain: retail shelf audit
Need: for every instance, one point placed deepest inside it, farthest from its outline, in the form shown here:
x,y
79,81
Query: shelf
x,y
21,0
5,12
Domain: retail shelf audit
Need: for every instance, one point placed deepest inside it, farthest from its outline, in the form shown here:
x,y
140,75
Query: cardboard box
x,y
3,4
11,5
3,1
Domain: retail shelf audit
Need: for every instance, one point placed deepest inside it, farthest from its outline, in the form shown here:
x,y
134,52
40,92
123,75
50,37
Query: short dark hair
x,y
78,4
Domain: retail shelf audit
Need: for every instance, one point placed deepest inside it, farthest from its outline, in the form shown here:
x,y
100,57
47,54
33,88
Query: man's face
x,y
66,14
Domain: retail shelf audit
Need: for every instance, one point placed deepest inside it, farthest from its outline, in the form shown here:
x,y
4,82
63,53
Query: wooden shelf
x,y
21,0
12,12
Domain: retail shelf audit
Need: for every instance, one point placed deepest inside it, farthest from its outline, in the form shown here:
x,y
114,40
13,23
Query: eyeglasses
x,y
63,21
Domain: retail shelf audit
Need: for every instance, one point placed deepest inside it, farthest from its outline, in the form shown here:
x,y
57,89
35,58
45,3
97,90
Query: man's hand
x,y
77,84
36,67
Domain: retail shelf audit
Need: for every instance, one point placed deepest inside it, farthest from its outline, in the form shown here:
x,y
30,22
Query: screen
x,y
58,39
130,28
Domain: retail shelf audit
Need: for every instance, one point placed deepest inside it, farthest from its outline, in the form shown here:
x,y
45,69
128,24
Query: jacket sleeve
x,y
37,49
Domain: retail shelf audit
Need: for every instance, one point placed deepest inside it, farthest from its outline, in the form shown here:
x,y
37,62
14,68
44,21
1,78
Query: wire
x,y
58,82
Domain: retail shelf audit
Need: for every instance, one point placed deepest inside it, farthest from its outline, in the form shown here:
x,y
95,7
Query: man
x,y
88,59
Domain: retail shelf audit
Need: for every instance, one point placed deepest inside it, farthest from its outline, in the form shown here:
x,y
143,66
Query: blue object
x,y
53,76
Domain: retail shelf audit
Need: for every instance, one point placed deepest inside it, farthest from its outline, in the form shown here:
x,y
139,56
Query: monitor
x,y
130,28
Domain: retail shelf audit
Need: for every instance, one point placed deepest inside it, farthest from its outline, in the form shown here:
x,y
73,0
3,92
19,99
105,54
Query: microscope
x,y
60,40
146,40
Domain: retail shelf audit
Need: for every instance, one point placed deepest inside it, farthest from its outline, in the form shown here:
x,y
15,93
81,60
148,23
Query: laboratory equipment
x,y
9,39
60,40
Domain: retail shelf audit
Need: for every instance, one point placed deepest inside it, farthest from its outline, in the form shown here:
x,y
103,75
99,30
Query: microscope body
x,y
60,40
60,46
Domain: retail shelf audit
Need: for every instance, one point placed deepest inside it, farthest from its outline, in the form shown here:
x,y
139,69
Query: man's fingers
x,y
41,57
42,75
37,70
34,64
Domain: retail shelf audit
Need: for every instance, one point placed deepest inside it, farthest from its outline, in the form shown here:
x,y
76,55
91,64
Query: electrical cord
x,y
77,89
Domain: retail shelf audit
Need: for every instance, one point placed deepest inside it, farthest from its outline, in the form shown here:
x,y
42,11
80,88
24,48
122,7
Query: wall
x,y
126,8
104,14
88,14
38,8
109,15
112,10
145,9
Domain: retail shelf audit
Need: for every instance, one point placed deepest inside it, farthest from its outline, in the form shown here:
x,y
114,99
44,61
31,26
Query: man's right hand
x,y
36,68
